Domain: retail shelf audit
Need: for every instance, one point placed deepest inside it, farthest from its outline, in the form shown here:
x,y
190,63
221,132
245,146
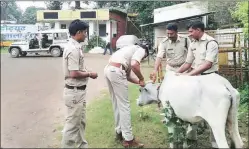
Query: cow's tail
x,y
235,99
232,119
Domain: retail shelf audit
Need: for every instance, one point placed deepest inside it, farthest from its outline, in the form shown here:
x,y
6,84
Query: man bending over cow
x,y
203,52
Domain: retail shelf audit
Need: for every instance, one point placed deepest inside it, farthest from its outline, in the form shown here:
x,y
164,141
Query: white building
x,y
181,14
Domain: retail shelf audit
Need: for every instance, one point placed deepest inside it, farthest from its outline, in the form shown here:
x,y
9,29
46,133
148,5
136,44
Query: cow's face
x,y
148,94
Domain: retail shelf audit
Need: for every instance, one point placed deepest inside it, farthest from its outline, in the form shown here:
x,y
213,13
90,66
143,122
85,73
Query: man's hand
x,y
93,75
142,83
153,76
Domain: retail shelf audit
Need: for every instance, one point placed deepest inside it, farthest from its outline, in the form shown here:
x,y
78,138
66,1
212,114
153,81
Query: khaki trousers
x,y
118,88
73,132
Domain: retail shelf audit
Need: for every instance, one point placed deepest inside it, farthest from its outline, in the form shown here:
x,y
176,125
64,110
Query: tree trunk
x,y
77,5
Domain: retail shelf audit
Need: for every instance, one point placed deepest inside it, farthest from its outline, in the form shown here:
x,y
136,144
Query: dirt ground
x,y
31,98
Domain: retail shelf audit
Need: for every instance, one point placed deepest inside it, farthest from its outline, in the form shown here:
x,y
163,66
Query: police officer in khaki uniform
x,y
203,52
118,73
76,78
176,48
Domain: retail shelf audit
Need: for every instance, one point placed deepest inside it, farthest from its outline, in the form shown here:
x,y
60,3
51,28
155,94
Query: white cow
x,y
195,98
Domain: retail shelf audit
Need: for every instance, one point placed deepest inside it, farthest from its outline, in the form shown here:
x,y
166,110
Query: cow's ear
x,y
140,89
146,89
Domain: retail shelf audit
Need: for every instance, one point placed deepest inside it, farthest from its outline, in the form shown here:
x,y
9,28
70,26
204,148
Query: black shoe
x,y
119,137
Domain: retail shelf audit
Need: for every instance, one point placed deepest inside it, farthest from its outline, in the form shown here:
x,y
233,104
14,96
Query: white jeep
x,y
48,41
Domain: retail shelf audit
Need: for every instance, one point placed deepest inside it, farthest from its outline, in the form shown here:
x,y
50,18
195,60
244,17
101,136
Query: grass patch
x,y
146,123
4,50
100,123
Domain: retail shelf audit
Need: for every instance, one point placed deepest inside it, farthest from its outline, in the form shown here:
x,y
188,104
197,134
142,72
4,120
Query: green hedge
x,y
93,43
244,94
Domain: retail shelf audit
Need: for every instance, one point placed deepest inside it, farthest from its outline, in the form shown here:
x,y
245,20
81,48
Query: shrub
x,y
244,94
93,42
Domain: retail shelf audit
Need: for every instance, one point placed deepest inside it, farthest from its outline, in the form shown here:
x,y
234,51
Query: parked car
x,y
48,41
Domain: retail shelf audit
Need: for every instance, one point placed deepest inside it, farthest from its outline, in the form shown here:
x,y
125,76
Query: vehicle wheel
x,y
56,52
61,54
23,53
14,52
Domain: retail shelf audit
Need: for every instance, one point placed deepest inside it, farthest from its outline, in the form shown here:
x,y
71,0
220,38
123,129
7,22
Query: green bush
x,y
244,94
93,43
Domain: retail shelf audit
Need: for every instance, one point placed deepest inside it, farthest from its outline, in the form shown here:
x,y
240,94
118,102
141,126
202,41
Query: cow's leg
x,y
232,122
219,135
218,123
212,139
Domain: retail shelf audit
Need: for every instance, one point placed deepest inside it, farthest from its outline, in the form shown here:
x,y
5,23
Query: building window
x,y
63,26
50,15
102,30
88,14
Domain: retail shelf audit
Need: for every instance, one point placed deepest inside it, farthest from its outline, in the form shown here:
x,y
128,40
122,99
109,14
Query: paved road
x,y
31,97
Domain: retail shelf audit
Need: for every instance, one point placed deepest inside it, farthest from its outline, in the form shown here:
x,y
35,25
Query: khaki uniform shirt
x,y
73,59
126,54
176,52
198,53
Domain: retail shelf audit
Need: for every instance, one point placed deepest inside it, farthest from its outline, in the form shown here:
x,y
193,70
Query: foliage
x,y
244,94
54,5
10,11
117,4
177,136
29,16
221,15
241,13
92,42
77,4
145,9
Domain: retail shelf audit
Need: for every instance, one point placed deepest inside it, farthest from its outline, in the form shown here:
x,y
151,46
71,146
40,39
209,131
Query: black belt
x,y
78,87
209,73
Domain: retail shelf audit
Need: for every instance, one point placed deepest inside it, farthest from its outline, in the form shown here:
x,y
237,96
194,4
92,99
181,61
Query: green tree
x,y
241,13
145,9
29,16
54,5
117,4
10,11
221,16
77,5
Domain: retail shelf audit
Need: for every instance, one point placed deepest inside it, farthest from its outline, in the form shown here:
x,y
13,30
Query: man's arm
x,y
157,64
189,60
160,54
135,67
73,66
79,74
205,66
184,67
133,80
